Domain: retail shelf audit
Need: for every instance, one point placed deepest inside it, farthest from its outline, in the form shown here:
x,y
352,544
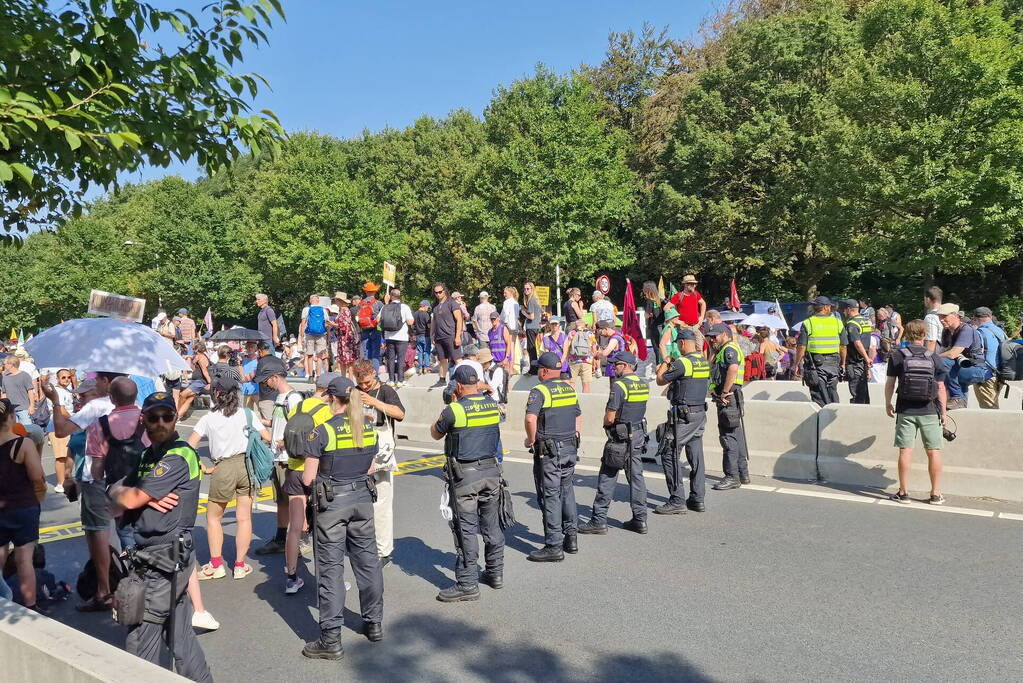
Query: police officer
x,y
688,378
470,427
855,353
726,379
818,352
552,424
625,424
337,468
160,499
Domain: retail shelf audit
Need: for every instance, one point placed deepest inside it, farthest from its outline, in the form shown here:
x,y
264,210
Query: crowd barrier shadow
x,y
855,476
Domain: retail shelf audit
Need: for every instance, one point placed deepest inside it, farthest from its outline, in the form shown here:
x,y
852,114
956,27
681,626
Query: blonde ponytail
x,y
356,418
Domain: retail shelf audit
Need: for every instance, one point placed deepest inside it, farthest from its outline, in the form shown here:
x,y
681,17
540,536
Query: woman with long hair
x,y
510,317
339,466
653,308
21,479
226,427
574,311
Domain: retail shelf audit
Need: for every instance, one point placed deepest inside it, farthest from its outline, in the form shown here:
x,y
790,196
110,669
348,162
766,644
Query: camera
x,y
948,435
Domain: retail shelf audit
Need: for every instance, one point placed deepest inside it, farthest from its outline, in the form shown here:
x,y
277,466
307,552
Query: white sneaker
x,y
57,488
208,571
243,571
292,587
204,620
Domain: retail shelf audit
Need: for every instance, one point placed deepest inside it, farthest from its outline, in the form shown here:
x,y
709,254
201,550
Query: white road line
x,y
416,449
824,494
265,507
939,508
1010,515
758,487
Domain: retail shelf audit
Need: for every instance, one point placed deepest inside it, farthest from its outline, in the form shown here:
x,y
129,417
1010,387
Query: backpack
x,y
86,584
42,415
123,455
365,316
259,459
390,317
1010,361
297,430
315,323
581,345
917,382
756,367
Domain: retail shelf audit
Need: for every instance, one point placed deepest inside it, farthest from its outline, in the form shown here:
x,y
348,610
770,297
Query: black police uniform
x,y
689,378
735,456
822,335
555,454
170,467
471,427
628,399
857,370
344,525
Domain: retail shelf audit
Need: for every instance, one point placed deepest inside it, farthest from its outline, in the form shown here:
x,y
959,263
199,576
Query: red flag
x,y
208,319
733,298
630,320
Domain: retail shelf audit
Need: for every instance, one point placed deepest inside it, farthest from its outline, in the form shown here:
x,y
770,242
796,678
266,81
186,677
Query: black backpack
x,y
1010,361
917,382
87,583
299,427
123,455
390,317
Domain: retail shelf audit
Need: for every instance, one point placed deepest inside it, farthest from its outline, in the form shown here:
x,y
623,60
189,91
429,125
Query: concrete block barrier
x,y
855,447
36,648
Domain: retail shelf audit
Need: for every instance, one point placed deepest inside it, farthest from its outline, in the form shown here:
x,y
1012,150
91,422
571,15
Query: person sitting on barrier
x,y
919,408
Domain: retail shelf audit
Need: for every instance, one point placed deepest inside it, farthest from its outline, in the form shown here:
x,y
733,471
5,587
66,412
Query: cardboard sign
x,y
116,306
544,295
390,274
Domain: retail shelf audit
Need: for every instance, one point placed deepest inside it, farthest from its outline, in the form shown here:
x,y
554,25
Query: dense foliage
x,y
851,147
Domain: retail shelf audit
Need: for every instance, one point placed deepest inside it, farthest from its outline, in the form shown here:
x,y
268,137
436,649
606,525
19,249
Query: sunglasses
x,y
153,418
438,292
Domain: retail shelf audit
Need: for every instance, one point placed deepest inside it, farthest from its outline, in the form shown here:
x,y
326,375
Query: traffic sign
x,y
603,284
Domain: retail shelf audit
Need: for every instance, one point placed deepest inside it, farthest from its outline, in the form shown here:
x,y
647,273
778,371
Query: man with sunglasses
x,y
447,329
160,499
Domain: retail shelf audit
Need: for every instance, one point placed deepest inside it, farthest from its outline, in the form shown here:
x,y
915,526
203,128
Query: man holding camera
x,y
919,408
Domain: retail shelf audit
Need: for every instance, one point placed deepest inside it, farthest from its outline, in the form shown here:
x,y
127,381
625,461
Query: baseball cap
x,y
821,301
716,329
182,310
626,357
555,319
982,312
267,367
686,333
84,387
849,303
340,387
485,293
225,383
424,302
465,374
549,360
948,309
495,314
324,380
161,399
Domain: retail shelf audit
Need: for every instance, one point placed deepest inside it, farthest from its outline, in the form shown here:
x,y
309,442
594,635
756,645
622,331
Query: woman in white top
x,y
510,317
66,405
226,430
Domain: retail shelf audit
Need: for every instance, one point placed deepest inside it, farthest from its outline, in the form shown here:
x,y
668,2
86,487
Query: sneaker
x,y
58,488
900,497
305,545
242,571
937,499
208,571
205,621
292,587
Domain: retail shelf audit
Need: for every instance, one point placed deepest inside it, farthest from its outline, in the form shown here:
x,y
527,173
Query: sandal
x,y
96,604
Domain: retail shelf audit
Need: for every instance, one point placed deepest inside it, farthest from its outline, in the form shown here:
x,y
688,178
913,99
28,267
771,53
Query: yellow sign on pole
x,y
544,295
390,274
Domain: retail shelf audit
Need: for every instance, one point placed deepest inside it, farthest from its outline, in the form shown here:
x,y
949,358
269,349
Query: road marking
x,y
823,494
939,508
1010,515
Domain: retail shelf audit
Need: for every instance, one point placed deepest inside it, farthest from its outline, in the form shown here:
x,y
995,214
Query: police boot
x,y
636,525
592,527
373,631
670,508
492,579
458,593
743,478
696,505
726,484
571,544
548,553
328,646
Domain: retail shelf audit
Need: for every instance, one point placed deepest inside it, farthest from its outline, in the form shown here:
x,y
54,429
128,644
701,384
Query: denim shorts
x,y
19,526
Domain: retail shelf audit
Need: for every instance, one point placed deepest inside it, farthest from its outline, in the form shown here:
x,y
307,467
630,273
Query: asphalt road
x,y
773,582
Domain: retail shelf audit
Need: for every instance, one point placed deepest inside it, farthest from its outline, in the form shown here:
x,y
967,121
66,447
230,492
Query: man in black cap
x,y
625,424
727,375
160,499
552,424
688,378
470,426
821,345
856,360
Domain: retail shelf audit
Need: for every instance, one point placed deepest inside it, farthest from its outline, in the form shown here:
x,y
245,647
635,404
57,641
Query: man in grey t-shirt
x,y
266,320
532,317
19,389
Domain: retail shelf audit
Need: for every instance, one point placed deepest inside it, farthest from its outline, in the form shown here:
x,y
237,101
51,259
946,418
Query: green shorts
x,y
907,426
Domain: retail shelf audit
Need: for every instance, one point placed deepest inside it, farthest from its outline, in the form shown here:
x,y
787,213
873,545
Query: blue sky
x,y
343,67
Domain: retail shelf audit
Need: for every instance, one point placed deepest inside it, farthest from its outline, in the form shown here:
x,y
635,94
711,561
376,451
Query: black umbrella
x,y
239,334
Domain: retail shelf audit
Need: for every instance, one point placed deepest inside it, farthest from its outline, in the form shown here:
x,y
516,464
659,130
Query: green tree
x,y
92,88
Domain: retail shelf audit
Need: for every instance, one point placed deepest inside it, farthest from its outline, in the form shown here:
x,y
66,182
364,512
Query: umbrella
x,y
239,334
105,345
630,321
764,320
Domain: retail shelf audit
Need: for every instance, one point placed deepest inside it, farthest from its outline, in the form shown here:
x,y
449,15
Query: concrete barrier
x,y
855,447
36,648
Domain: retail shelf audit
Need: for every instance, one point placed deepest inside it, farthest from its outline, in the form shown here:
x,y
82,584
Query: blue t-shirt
x,y
145,386
249,368
992,336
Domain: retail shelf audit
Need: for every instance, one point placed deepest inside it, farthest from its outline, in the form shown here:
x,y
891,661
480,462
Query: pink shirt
x,y
124,420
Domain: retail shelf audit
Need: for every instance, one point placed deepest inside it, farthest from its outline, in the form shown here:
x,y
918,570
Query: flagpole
x,y
557,282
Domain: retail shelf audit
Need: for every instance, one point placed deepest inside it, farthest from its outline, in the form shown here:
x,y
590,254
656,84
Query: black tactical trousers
x,y
688,435
477,499
608,478
858,375
821,374
555,491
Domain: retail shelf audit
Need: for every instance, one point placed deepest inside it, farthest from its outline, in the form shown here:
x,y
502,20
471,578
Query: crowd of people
x,y
331,451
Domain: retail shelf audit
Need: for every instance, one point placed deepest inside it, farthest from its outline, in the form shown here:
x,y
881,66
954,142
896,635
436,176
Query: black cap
x,y
849,303
626,357
340,387
719,328
225,383
465,374
982,312
267,367
160,399
549,360
686,333
821,301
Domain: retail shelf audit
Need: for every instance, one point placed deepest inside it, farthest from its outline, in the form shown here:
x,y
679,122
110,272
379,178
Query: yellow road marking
x,y
62,532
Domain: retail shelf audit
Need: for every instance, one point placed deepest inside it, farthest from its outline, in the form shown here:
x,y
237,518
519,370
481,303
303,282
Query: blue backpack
x,y
315,323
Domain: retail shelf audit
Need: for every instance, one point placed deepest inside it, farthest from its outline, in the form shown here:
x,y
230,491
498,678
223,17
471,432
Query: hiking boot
x,y
458,593
492,579
670,509
727,484
592,527
327,646
548,553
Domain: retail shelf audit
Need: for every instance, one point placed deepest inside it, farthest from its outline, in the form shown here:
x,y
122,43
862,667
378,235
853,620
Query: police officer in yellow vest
x,y
337,467
470,427
820,352
856,359
160,500
726,379
552,424
625,424
688,377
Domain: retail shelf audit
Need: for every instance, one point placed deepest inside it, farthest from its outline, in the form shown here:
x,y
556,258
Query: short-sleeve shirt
x,y
444,319
719,369
169,475
895,369
401,334
965,337
187,328
265,321
226,435
554,423
536,310
283,405
386,395
222,369
421,323
123,421
688,306
602,310
16,387
852,333
510,314
934,327
348,464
